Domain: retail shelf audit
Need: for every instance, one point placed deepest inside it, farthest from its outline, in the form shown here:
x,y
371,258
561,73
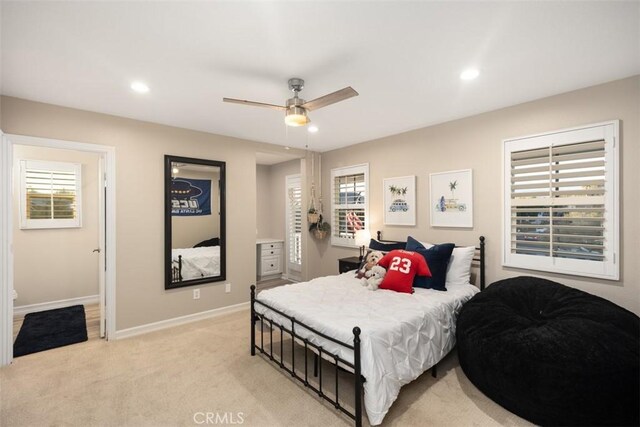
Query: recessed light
x,y
313,129
469,74
140,87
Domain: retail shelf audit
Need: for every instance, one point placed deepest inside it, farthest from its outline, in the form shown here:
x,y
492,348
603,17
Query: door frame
x,y
108,153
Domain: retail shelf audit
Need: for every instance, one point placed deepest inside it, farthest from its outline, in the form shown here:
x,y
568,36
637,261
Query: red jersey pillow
x,y
402,266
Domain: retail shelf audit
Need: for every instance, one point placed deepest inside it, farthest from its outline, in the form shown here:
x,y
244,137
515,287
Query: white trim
x,y
176,321
287,244
558,131
610,269
349,170
21,310
26,223
6,252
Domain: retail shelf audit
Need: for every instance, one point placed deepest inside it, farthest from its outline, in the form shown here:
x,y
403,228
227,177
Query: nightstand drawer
x,y
276,245
270,265
271,252
348,264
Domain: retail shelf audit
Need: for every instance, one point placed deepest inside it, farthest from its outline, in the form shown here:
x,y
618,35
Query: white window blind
x,y
294,221
349,203
50,194
561,212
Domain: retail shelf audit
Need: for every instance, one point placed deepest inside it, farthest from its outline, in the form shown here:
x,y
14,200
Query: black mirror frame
x,y
168,283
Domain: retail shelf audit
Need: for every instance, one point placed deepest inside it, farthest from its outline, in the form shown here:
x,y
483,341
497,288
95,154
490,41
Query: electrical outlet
x,y
227,287
196,294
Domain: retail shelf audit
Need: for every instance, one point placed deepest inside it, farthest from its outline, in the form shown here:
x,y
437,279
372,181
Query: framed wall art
x,y
399,200
451,198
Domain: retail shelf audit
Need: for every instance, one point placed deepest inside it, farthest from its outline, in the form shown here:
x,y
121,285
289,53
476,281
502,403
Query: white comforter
x,y
402,335
198,262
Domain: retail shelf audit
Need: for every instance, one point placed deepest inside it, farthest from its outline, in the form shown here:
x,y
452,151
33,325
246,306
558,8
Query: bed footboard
x,y
289,330
176,270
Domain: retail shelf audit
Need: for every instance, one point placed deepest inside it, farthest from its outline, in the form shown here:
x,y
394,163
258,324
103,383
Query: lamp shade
x,y
362,237
296,116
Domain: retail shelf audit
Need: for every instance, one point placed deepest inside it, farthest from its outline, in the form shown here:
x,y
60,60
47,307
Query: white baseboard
x,y
163,324
21,310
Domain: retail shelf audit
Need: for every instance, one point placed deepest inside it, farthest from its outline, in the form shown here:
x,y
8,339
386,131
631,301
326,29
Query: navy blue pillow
x,y
375,245
211,242
437,258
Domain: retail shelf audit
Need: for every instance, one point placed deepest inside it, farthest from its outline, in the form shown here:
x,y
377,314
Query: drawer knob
x,y
272,252
271,265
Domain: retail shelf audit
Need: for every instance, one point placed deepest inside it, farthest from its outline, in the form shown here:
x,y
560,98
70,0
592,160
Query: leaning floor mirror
x,y
194,192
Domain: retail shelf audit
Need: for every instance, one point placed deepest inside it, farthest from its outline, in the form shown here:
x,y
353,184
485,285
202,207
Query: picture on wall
x,y
400,200
451,198
190,197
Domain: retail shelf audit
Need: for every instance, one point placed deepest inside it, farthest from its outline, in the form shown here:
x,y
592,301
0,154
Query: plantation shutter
x,y
50,194
561,202
294,221
349,203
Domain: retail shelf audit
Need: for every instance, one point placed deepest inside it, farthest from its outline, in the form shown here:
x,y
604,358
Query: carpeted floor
x,y
176,376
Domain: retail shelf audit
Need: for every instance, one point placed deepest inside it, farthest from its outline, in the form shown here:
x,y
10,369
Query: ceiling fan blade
x,y
332,98
255,104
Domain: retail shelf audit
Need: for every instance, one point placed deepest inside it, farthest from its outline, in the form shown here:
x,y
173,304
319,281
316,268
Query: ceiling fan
x,y
296,108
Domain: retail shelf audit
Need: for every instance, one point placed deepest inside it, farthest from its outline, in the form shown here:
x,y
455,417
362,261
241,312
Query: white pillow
x,y
459,269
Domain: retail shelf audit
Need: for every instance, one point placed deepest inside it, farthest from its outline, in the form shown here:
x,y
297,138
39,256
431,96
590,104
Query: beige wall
x,y
140,149
271,197
476,143
187,231
56,264
263,201
278,205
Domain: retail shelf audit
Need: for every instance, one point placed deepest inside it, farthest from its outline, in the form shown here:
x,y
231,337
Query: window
x,y
349,203
294,221
50,194
561,202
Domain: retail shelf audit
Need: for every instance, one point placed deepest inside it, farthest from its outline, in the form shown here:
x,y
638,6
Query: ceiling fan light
x,y
296,116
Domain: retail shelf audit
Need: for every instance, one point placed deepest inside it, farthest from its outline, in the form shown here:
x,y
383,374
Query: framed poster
x,y
399,200
451,198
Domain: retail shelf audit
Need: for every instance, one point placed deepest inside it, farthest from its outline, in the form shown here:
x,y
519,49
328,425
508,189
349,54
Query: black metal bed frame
x,y
176,272
320,353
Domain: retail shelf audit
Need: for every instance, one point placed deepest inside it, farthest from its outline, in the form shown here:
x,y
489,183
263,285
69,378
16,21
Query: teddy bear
x,y
370,261
377,273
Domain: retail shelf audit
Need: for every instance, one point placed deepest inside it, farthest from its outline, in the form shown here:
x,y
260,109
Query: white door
x,y
293,200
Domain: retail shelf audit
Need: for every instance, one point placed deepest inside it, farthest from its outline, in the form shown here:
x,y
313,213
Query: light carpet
x,y
178,376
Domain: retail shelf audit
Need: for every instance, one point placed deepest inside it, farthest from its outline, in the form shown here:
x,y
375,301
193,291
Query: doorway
x,y
293,226
11,247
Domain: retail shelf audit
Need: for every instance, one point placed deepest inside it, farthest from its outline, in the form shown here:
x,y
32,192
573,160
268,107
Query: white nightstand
x,y
269,255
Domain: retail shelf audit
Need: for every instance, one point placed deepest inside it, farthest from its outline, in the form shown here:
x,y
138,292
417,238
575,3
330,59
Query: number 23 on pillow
x,y
402,266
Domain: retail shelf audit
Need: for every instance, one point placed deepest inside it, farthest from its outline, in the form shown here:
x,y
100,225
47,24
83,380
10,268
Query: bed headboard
x,y
478,259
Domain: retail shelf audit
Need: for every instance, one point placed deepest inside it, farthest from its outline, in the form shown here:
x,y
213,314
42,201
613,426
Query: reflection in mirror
x,y
194,221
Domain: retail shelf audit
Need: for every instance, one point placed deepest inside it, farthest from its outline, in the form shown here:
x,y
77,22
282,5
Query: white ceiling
x,y
404,58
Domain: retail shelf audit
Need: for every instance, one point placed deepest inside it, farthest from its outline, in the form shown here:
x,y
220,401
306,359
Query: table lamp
x,y
362,239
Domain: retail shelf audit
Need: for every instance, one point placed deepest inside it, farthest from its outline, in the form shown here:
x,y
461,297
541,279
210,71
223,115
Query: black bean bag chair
x,y
552,354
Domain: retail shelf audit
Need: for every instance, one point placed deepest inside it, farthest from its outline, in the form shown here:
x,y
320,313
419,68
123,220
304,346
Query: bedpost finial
x,y
379,234
253,287
482,239
356,331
